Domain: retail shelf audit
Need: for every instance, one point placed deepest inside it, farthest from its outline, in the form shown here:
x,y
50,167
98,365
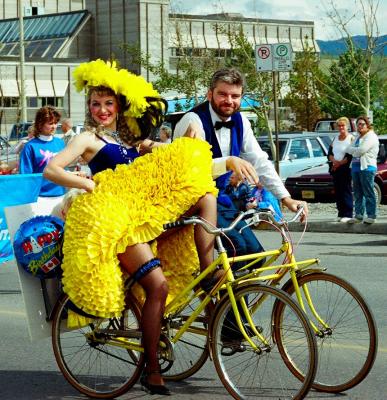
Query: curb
x,y
378,228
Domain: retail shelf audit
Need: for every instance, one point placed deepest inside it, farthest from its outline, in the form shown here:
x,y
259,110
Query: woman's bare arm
x,y
55,170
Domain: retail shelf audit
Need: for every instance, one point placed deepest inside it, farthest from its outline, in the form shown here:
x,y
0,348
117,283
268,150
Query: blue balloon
x,y
38,246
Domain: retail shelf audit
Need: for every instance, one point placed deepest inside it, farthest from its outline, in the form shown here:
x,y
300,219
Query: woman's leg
x,y
156,289
358,195
343,189
206,209
367,182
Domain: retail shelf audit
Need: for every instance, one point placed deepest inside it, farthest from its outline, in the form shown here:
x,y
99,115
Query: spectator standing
x,y
67,129
165,134
37,153
364,151
339,167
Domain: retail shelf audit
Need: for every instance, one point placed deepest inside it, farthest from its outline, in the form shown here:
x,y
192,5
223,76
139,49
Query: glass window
x,y
265,146
317,149
59,102
299,149
11,101
32,102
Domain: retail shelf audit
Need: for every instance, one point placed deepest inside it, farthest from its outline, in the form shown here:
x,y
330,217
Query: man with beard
x,y
234,146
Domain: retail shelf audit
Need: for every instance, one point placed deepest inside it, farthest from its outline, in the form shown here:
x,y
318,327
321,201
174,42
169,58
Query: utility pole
x,y
23,103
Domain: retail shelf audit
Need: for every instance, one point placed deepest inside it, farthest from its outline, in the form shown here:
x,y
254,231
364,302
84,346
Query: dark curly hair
x,y
152,118
44,115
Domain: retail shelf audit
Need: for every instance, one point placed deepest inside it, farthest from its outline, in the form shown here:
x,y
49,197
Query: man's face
x,y
225,99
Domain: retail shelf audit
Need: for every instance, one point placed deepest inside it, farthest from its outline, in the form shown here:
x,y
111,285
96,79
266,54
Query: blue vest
x,y
203,111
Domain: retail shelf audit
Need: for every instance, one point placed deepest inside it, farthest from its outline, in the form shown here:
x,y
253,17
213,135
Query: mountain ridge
x,y
339,46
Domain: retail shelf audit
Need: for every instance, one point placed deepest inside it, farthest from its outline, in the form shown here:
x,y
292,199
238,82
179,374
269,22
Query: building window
x,y
33,102
10,102
52,101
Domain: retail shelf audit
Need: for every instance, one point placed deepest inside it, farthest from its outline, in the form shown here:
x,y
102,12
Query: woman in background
x,y
38,152
364,151
339,167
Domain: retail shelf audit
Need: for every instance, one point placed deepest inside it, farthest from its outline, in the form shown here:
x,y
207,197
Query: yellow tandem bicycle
x,y
259,339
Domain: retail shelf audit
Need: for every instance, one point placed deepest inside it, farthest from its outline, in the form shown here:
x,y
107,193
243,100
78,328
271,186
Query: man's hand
x,y
294,205
193,131
243,169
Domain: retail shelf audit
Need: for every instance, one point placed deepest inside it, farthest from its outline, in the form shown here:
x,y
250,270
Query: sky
x,y
302,10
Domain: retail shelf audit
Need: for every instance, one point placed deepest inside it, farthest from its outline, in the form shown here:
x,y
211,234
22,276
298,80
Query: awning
x,y
45,88
9,88
30,88
60,87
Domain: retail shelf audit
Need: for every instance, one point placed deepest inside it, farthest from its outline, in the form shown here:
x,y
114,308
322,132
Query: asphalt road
x,y
28,370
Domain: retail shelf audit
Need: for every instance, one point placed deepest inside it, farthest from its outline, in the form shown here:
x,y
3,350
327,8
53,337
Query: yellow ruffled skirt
x,y
128,206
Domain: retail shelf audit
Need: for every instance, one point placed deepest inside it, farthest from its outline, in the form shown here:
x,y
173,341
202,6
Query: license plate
x,y
307,194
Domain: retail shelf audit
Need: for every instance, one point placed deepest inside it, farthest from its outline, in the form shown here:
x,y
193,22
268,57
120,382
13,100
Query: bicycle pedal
x,y
229,349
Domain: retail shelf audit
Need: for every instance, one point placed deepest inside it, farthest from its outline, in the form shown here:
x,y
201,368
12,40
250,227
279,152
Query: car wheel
x,y
378,193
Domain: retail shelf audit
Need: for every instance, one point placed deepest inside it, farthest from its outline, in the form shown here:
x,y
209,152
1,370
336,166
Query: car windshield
x,y
265,145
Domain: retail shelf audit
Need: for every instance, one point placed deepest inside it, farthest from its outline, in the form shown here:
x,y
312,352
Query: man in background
x,y
67,129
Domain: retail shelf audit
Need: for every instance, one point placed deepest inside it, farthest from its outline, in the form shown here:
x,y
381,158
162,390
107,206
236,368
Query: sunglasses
x,y
361,124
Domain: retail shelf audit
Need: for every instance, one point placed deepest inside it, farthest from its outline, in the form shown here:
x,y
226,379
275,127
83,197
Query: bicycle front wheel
x,y
95,358
249,373
347,347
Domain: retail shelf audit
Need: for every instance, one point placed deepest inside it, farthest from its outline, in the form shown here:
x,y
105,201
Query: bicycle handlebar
x,y
256,214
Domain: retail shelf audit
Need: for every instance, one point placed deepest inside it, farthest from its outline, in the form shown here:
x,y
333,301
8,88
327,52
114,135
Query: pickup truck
x,y
330,125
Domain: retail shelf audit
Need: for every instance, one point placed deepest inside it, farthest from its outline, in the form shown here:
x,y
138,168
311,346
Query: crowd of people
x,y
133,177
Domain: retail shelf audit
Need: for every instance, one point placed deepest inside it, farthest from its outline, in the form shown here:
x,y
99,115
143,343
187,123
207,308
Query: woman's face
x,y
342,126
48,128
104,110
362,127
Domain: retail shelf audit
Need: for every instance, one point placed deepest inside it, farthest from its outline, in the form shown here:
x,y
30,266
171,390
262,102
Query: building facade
x,y
59,34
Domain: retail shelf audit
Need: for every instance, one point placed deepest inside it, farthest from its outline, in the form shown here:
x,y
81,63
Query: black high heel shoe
x,y
153,389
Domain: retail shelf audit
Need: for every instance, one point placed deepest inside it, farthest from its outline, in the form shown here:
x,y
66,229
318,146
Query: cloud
x,y
298,10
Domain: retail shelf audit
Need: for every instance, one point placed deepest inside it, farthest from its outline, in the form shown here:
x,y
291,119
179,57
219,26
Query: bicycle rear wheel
x,y
190,352
86,357
347,349
251,374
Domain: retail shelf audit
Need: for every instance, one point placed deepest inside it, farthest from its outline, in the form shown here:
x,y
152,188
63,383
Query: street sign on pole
x,y
263,58
282,57
274,57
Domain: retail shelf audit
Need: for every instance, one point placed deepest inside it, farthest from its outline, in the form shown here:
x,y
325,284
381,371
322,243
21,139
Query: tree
x,y
194,68
304,89
350,86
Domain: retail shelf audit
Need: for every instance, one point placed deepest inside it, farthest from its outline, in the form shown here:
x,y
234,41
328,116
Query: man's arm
x,y
268,176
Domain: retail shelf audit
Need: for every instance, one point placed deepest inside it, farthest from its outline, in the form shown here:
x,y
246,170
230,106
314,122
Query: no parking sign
x,y
274,57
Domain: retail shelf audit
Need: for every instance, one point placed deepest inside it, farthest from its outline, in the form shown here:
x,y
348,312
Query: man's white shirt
x,y
250,151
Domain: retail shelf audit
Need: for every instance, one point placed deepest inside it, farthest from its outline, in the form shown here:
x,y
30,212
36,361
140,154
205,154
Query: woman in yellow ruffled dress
x,y
128,201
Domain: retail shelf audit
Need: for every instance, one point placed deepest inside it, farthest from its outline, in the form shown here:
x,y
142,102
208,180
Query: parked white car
x,y
298,150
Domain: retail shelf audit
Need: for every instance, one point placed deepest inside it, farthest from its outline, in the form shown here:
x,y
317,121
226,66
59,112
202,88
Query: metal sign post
x,y
275,58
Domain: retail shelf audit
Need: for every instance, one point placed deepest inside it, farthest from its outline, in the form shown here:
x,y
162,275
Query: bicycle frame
x,y
292,267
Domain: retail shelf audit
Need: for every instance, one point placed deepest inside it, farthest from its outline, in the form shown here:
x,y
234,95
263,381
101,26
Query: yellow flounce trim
x,y
128,206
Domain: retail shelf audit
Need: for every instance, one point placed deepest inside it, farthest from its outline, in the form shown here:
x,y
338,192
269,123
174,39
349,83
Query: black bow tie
x,y
224,124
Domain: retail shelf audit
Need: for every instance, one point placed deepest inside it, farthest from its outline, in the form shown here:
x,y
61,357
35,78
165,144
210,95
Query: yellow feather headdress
x,y
134,88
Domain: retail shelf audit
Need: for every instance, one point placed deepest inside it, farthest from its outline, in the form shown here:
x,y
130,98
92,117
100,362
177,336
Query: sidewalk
x,y
326,222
